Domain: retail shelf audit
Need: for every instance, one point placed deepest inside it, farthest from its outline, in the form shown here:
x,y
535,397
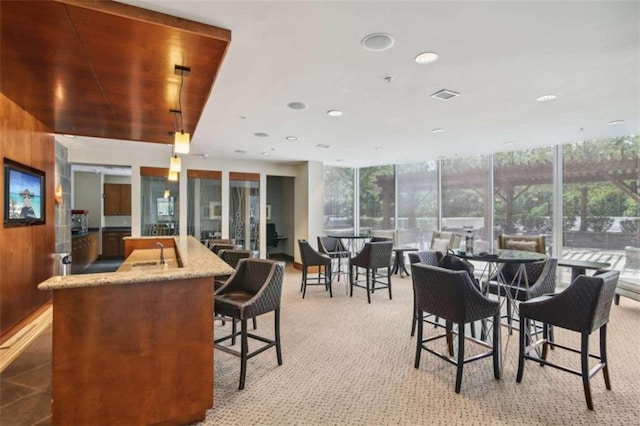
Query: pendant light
x,y
173,176
176,164
181,139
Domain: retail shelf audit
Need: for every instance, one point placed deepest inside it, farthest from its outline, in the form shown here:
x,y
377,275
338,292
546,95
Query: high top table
x,y
504,256
579,267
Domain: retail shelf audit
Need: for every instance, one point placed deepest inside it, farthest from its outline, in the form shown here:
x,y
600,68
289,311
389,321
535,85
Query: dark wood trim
x,y
154,171
244,176
204,174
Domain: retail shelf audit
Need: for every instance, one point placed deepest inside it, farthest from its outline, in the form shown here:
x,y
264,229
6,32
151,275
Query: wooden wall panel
x,y
26,253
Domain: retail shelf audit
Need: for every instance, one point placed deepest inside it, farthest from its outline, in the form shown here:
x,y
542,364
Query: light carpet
x,y
346,362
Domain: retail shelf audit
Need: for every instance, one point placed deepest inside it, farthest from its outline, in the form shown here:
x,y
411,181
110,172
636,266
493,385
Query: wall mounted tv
x,y
24,195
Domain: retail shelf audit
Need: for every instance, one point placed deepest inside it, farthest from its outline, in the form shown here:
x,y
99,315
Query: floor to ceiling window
x,y
244,209
466,198
377,198
204,206
338,200
417,199
601,201
523,193
506,192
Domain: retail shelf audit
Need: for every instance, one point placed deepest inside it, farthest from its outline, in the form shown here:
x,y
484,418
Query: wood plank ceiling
x,y
105,69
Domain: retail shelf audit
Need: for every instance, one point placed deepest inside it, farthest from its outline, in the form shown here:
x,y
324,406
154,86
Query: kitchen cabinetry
x,y
117,199
113,244
84,251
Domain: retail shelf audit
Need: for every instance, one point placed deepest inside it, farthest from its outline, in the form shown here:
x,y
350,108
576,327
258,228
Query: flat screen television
x,y
24,195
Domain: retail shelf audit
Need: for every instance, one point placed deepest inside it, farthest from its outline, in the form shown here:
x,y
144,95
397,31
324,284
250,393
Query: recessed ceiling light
x,y
614,122
438,130
261,134
292,138
322,145
339,160
240,151
509,143
427,58
546,98
378,42
378,148
265,154
334,113
297,105
242,117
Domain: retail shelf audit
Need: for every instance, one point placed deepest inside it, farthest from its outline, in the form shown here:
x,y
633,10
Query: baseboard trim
x,y
26,332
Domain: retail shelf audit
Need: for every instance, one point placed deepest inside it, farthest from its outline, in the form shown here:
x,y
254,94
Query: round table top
x,y
505,256
351,236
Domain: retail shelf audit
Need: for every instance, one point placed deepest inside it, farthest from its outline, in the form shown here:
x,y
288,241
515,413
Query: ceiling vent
x,y
445,95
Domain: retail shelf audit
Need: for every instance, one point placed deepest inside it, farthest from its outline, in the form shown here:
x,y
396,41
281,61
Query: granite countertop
x,y
197,261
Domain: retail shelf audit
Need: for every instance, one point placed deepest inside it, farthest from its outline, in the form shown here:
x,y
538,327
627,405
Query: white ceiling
x,y
500,56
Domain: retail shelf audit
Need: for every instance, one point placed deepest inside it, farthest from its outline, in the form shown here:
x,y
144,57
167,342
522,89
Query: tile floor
x,y
25,386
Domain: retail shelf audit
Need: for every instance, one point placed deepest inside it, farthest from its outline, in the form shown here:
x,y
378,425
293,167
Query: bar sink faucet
x,y
158,244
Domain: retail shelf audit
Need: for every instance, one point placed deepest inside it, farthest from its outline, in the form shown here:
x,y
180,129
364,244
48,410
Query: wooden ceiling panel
x,y
105,69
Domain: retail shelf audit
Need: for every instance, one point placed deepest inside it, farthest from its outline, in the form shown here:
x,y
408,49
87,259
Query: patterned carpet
x,y
350,363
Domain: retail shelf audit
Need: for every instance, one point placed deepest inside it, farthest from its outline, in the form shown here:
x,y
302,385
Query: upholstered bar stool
x,y
254,289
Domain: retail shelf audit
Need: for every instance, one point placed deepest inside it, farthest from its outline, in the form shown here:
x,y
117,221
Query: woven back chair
x,y
321,261
431,258
221,244
254,289
372,258
582,307
453,296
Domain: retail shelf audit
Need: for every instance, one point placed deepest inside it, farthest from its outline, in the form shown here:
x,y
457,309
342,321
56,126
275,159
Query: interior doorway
x,y
280,217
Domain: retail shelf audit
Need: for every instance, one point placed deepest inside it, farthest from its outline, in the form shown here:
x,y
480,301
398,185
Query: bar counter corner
x,y
136,347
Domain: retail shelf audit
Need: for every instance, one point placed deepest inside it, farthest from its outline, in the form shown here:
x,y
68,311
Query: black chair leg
x,y
255,323
328,278
419,342
496,348
244,345
368,290
521,348
234,330
414,319
603,356
460,357
350,281
277,335
449,336
584,358
389,283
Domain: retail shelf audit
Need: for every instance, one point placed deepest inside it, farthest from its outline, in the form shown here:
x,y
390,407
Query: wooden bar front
x,y
133,354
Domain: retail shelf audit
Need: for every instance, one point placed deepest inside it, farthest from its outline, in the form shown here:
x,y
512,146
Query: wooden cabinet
x,y
117,199
84,251
113,244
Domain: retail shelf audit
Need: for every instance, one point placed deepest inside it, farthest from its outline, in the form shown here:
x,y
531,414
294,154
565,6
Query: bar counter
x,y
136,347
197,261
